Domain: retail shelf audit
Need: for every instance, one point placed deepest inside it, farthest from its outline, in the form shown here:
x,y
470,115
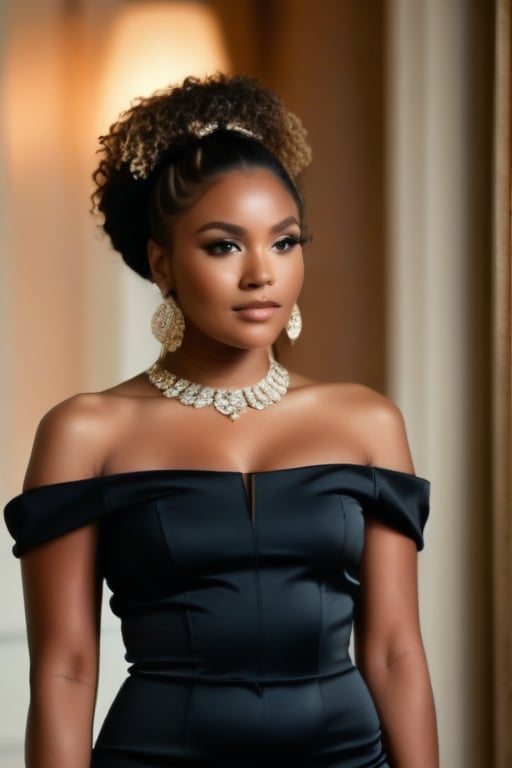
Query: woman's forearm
x,y
403,695
59,724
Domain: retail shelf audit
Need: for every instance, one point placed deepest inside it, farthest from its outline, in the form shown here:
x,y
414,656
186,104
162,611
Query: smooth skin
x,y
240,243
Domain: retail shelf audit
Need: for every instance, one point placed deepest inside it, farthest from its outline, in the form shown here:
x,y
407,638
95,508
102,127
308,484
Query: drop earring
x,y
168,324
294,324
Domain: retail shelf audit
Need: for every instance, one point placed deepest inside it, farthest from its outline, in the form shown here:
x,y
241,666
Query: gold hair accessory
x,y
145,134
294,325
229,402
168,324
200,130
141,166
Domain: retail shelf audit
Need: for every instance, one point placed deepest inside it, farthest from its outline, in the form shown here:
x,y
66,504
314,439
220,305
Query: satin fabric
x,y
236,608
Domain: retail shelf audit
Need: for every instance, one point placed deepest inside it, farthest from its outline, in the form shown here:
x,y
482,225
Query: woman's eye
x,y
287,243
221,247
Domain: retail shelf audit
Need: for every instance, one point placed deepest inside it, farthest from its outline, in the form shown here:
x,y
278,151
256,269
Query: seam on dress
x,y
344,518
155,504
192,684
374,490
258,590
321,635
104,493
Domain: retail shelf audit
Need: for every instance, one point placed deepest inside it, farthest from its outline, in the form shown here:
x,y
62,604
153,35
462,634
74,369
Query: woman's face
x,y
236,266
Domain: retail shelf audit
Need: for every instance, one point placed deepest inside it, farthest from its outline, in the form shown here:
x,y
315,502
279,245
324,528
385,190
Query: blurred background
x,y
398,99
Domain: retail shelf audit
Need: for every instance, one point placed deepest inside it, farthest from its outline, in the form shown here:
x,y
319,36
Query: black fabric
x,y
236,609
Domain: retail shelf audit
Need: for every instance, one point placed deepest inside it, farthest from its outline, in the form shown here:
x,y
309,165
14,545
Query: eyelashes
x,y
225,246
220,247
288,242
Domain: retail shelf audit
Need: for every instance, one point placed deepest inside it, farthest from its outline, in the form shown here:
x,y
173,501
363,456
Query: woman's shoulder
x,y
336,395
83,413
371,417
74,436
91,410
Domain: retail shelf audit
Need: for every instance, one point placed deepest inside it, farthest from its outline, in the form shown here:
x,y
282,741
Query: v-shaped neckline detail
x,y
249,483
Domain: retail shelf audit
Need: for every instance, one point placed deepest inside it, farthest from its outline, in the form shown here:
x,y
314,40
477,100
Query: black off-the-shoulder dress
x,y
236,598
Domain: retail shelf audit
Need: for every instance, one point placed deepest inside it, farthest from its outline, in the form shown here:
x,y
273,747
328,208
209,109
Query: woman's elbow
x,y
74,666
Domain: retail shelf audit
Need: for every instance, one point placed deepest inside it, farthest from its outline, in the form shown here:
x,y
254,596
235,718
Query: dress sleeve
x,y
402,502
41,514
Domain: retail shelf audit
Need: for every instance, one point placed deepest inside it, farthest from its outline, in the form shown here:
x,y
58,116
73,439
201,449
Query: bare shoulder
x,y
346,394
72,439
81,413
64,443
373,418
370,405
381,425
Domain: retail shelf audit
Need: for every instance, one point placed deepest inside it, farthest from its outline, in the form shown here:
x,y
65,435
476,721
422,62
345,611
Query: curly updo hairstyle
x,y
157,158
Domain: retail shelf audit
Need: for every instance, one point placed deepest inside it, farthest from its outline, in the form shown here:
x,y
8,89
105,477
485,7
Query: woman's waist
x,y
239,656
254,644
251,677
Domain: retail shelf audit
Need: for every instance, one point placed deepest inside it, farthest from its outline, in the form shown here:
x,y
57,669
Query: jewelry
x,y
294,324
168,324
229,402
151,131
141,167
199,129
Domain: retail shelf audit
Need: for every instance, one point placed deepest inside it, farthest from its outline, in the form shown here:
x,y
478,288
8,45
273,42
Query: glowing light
x,y
154,44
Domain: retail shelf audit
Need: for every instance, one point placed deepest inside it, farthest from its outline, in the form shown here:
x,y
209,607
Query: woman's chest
x,y
172,436
208,524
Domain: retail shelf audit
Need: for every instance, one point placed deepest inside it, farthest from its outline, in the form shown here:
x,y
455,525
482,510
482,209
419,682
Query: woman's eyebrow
x,y
284,224
234,229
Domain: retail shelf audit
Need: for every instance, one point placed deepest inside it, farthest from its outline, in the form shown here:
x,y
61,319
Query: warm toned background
x,y
398,100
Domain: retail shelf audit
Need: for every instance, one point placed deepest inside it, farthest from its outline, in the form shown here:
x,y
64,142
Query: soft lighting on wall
x,y
149,46
153,44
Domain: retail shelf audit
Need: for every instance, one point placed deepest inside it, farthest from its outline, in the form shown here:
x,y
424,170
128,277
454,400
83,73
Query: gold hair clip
x,y
141,164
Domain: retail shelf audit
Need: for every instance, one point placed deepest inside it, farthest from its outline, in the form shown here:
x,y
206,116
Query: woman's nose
x,y
257,271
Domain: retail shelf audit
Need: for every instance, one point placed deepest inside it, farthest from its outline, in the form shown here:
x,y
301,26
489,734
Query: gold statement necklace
x,y
230,402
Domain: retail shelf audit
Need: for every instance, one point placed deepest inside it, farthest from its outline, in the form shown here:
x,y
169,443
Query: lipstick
x,y
257,311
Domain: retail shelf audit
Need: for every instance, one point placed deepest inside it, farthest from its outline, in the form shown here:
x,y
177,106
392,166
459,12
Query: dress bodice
x,y
185,551
236,602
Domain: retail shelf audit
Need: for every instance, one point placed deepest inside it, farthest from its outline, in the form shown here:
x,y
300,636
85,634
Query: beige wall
x,y
74,319
440,128
329,66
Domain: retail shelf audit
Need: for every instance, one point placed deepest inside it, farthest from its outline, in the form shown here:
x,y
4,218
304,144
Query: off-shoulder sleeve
x,y
42,514
402,502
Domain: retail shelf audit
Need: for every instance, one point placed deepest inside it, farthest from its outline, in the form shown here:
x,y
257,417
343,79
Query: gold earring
x,y
168,324
294,324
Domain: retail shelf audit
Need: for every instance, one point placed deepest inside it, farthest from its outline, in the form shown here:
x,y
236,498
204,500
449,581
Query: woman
x,y
242,515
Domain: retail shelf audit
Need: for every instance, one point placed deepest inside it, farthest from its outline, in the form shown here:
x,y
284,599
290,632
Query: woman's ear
x,y
160,265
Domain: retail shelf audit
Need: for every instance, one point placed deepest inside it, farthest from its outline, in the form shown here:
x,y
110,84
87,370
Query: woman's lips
x,y
257,311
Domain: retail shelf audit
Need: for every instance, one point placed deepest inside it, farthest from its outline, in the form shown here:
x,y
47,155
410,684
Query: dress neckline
x,y
169,471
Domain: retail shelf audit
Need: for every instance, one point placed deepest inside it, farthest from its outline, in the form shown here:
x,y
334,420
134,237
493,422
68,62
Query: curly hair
x,y
156,158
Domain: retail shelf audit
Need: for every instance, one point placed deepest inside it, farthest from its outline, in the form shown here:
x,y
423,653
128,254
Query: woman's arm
x,y
389,648
390,651
62,595
62,599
